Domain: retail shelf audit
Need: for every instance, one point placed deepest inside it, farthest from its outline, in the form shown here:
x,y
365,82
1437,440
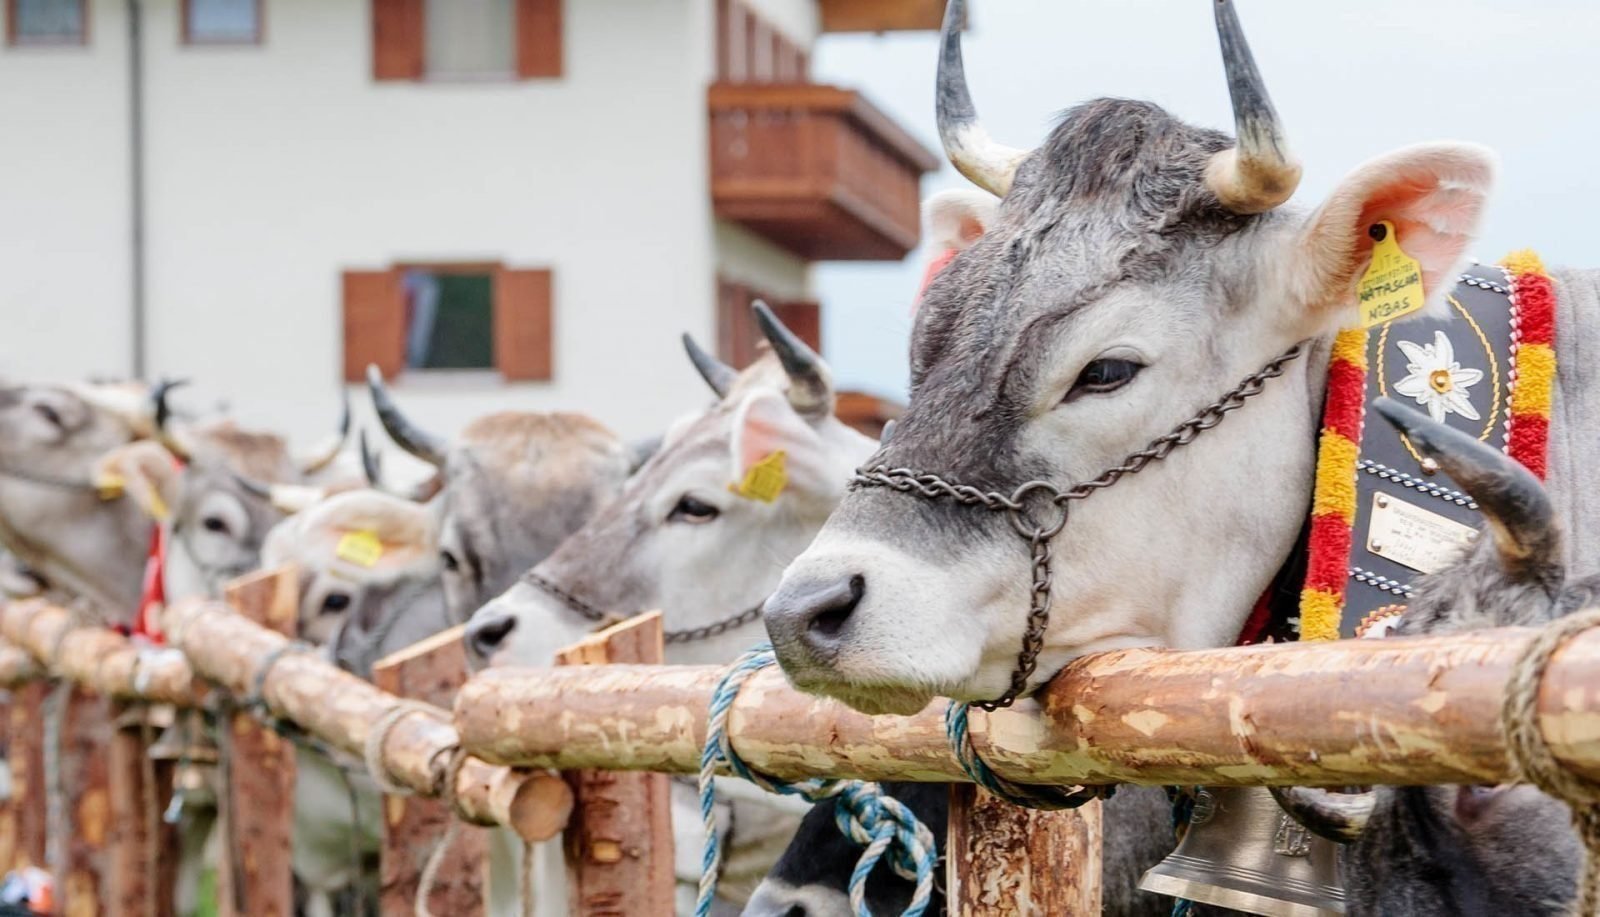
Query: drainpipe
x,y
136,253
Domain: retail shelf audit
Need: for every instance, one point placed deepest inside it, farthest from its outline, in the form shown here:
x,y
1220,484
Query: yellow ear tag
x,y
765,480
363,548
110,485
1392,285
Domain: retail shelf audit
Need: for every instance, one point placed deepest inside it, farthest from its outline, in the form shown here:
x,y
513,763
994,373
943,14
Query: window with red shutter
x,y
524,341
445,39
374,323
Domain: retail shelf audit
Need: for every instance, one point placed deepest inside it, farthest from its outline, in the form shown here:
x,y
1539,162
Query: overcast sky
x,y
1350,79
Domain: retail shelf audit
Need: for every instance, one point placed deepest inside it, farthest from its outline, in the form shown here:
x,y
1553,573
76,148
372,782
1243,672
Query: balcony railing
x,y
816,170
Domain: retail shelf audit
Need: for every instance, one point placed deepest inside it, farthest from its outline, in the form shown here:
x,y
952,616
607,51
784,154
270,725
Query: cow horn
x,y
1259,172
324,457
371,462
285,498
1518,508
418,442
1338,817
163,413
987,164
717,374
810,389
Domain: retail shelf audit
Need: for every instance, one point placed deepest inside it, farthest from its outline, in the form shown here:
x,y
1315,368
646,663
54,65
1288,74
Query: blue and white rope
x,y
879,823
1018,794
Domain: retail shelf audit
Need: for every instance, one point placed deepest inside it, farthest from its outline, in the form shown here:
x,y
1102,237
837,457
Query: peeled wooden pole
x,y
340,709
1414,710
97,657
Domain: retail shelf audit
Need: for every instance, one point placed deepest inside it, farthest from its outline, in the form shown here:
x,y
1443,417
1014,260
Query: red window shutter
x,y
736,327
397,37
524,340
374,323
804,319
538,38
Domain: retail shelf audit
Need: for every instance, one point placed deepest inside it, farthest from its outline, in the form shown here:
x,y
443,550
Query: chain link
x,y
1039,534
687,635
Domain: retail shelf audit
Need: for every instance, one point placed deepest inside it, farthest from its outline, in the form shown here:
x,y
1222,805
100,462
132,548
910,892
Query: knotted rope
x,y
1018,794
1531,759
880,824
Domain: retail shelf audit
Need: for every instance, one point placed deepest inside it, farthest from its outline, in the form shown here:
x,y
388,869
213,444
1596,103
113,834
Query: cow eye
x,y
695,512
335,602
449,561
215,524
1104,375
48,413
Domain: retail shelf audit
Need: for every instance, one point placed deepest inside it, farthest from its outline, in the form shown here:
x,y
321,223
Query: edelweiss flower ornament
x,y
1437,380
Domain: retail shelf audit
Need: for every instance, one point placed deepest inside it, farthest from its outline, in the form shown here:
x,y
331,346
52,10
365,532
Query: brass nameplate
x,y
1414,537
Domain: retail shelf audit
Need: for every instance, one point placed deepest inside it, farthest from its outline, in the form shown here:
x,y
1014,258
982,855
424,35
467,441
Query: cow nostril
x,y
795,910
485,635
835,606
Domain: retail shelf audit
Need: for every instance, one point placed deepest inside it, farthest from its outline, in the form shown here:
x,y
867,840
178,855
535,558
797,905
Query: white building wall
x,y
64,226
274,168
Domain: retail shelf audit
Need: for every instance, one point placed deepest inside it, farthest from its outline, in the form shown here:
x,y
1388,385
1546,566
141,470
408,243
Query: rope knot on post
x,y
1028,796
879,823
1531,760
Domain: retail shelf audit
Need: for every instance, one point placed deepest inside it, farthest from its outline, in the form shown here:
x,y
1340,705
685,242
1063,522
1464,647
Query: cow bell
x,y
1243,852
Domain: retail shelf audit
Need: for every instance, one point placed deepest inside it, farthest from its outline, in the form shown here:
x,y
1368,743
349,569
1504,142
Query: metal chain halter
x,y
687,635
1039,529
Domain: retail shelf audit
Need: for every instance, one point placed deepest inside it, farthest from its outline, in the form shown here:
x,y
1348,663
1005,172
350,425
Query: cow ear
x,y
144,471
775,451
364,533
1434,196
957,218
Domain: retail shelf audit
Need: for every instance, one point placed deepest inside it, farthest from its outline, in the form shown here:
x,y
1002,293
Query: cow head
x,y
214,487
78,539
693,533
1466,849
510,489
1138,268
369,574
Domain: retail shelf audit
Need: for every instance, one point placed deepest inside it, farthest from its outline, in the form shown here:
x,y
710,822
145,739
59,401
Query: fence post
x,y
86,792
619,842
256,877
429,671
24,819
144,848
1004,859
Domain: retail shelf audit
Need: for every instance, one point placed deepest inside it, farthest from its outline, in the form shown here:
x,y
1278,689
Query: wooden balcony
x,y
816,170
881,15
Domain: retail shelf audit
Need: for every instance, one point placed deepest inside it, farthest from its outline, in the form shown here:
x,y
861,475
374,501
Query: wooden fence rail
x,y
1398,711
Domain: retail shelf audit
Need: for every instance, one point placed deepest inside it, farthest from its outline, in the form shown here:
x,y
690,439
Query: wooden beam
x,y
83,885
255,877
1007,860
340,709
1415,710
23,818
881,15
144,848
430,672
619,844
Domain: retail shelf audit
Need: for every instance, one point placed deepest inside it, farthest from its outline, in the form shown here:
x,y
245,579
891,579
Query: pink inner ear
x,y
758,438
1429,223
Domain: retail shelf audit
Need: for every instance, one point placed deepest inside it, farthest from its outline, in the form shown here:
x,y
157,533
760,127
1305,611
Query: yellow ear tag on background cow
x,y
1392,285
363,548
765,480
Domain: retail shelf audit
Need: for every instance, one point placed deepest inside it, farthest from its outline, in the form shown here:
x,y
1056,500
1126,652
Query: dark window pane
x,y
449,320
48,20
470,37
224,20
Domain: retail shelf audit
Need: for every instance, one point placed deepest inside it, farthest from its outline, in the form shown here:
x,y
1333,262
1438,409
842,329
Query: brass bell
x,y
1242,851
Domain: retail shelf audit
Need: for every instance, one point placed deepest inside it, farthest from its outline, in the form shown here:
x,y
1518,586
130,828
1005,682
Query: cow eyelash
x,y
1104,375
693,511
49,414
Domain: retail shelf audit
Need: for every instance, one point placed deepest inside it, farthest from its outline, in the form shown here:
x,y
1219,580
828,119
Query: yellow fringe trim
x,y
1524,261
1319,615
1536,376
1350,345
1335,491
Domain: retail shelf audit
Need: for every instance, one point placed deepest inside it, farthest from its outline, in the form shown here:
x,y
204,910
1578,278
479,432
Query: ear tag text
x,y
765,480
1392,286
363,548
